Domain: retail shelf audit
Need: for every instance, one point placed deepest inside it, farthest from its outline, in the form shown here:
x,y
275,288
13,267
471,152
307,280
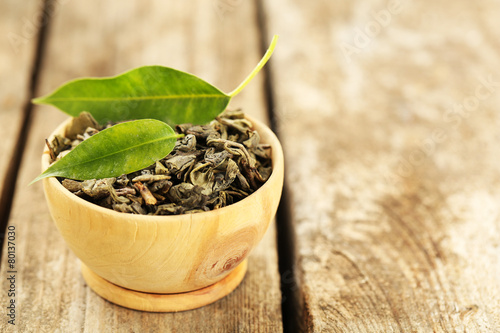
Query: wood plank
x,y
19,27
388,114
96,38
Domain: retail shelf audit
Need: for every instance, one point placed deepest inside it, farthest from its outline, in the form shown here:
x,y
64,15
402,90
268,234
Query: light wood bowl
x,y
164,254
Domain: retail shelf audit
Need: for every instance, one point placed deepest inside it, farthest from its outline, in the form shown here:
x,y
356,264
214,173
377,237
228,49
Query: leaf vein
x,y
105,99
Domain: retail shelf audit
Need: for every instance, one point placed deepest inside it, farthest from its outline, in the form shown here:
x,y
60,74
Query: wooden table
x,y
389,115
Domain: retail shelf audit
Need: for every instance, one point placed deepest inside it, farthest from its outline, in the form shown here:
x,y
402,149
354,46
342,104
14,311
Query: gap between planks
x,y
294,314
9,188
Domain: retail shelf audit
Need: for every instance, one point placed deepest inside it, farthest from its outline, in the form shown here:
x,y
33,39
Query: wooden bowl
x,y
126,258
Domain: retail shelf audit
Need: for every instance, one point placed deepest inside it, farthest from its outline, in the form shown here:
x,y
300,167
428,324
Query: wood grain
x,y
104,38
391,143
18,29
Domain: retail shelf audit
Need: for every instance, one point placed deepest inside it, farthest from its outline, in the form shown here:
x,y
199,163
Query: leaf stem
x,y
257,69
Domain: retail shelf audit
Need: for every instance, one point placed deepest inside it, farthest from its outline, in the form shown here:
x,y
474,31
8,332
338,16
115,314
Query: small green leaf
x,y
154,92
121,149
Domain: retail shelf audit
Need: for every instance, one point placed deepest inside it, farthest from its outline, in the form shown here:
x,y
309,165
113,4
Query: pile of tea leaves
x,y
211,167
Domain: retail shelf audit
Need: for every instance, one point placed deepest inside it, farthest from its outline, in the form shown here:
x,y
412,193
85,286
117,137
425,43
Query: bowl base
x,y
152,302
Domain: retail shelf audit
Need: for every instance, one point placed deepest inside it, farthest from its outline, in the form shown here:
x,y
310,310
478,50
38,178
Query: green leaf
x,y
121,149
154,92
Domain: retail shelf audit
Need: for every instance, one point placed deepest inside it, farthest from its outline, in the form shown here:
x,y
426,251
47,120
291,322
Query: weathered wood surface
x,y
391,138
95,38
18,30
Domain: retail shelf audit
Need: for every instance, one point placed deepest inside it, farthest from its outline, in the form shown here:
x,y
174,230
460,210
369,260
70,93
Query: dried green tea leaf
x,y
121,149
179,163
72,185
150,178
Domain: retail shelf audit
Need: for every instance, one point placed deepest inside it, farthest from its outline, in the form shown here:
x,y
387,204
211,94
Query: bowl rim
x,y
277,164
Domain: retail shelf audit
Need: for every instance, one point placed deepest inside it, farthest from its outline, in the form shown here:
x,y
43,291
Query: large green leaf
x,y
149,92
154,92
121,149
